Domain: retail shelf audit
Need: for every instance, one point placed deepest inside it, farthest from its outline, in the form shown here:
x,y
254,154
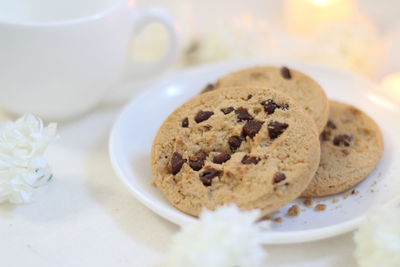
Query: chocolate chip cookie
x,y
296,84
351,147
251,146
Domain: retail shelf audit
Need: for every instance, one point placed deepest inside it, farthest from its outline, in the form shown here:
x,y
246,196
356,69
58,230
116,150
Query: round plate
x,y
133,132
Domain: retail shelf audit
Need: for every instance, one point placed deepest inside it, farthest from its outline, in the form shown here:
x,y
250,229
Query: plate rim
x,y
278,237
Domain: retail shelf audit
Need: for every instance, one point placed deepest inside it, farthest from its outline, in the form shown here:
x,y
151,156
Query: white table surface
x,y
88,218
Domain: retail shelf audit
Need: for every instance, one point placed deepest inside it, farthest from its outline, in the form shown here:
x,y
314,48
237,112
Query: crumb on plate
x,y
308,202
320,207
293,211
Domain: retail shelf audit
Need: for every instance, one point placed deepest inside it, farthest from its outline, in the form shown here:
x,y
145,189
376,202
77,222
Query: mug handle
x,y
142,18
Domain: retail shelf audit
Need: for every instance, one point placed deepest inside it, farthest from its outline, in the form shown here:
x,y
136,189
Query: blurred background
x,y
360,36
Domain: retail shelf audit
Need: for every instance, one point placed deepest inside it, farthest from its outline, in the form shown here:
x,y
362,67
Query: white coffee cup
x,y
58,58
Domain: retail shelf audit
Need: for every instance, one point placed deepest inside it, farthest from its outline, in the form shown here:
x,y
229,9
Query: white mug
x,y
59,58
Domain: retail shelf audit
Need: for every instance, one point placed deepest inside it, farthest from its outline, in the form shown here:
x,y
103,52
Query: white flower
x,y
226,237
23,169
378,238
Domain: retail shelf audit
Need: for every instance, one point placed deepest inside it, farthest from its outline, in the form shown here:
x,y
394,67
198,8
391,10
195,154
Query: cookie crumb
x,y
372,191
346,195
335,200
265,218
209,87
320,207
278,220
354,192
293,211
308,202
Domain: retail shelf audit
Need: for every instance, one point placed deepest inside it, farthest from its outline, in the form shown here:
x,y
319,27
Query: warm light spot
x,y
392,83
307,17
321,2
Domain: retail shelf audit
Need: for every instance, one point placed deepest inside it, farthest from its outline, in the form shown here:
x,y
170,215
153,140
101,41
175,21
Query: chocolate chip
x,y
208,88
227,110
342,139
275,129
279,177
234,142
251,128
185,123
285,72
284,106
325,135
269,106
249,97
176,163
196,161
250,160
221,158
243,115
203,115
207,176
331,125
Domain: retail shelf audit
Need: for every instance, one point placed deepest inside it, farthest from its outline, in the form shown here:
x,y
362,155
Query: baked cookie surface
x,y
351,147
302,88
251,146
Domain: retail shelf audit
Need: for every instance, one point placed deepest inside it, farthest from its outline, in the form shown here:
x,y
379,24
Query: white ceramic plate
x,y
132,135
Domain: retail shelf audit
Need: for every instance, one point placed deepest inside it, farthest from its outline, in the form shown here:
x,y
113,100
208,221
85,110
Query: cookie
x,y
251,146
296,84
351,147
